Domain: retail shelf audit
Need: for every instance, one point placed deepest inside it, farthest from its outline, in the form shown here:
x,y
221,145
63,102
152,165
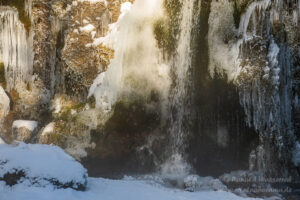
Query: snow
x,y
93,33
74,3
49,128
30,125
88,28
85,21
41,161
2,141
97,82
99,188
4,103
44,161
75,31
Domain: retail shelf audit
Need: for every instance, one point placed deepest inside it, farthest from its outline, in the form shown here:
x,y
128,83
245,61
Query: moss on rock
x,y
2,75
166,30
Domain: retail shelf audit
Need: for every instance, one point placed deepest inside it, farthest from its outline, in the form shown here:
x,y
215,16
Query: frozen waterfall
x,y
16,51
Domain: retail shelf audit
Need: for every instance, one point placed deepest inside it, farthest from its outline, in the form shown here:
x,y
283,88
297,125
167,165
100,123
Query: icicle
x,y
16,48
272,56
28,7
295,16
245,19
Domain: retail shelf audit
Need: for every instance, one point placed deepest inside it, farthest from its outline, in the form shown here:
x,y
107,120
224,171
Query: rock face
x,y
263,59
40,167
59,61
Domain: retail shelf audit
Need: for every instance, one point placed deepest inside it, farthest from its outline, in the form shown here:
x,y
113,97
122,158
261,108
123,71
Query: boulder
x,y
44,165
24,130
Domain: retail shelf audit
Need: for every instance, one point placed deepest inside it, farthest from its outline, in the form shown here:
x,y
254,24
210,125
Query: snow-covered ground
x,y
41,163
105,189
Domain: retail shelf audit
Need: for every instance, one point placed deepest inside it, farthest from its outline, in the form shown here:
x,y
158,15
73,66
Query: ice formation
x,y
4,104
135,58
16,47
221,28
259,6
296,154
265,92
223,37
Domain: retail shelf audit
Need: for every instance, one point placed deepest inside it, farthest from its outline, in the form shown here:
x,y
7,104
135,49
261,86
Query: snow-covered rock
x,y
24,130
40,166
2,141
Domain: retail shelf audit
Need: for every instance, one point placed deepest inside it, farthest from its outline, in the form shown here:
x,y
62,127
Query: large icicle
x,y
15,47
259,6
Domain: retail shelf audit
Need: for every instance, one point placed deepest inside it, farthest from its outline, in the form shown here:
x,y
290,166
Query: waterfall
x,y
180,105
15,47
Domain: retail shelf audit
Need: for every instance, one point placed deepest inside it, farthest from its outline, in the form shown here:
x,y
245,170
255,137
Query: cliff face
x,y
263,46
49,63
147,84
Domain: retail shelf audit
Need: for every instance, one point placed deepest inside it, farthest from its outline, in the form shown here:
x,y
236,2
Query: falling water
x,y
180,104
136,66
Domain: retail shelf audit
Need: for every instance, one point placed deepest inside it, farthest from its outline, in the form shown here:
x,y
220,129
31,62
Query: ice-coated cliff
x,y
168,86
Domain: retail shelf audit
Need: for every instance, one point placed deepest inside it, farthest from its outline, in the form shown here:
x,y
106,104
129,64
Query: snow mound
x,y
40,165
30,125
